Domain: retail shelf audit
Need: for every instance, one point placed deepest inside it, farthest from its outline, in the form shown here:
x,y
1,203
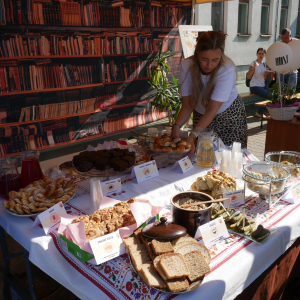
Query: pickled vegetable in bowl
x,y
262,178
287,159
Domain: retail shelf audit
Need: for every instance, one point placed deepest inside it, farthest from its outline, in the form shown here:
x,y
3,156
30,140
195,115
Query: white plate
x,y
33,215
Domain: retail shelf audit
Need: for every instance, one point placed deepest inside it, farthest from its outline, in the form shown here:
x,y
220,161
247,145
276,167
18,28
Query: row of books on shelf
x,y
17,45
42,134
95,14
40,112
37,77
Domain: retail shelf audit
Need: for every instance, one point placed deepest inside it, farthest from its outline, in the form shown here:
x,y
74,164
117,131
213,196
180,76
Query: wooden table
x,y
283,135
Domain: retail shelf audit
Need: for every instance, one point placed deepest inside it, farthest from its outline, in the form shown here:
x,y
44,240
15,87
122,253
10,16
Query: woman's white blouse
x,y
224,91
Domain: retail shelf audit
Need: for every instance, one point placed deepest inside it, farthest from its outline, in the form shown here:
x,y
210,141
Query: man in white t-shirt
x,y
289,79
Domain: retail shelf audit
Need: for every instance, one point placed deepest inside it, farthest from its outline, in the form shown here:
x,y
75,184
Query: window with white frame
x,y
217,16
298,21
264,22
283,14
243,17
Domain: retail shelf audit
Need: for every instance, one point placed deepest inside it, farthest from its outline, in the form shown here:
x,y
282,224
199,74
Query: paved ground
x,y
256,144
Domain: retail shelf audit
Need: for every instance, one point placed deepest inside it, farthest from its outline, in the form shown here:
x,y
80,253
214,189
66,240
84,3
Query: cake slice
x,y
161,247
174,266
177,285
186,248
197,265
151,277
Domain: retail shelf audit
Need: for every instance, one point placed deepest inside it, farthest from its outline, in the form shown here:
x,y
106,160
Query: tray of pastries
x,y
107,220
165,143
172,266
39,196
104,162
215,184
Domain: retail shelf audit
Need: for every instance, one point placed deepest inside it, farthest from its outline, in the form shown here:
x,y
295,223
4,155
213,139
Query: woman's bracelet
x,y
194,133
175,124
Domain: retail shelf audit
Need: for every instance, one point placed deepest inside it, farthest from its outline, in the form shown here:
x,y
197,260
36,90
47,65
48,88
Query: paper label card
x,y
184,164
295,191
145,171
214,232
111,186
107,247
50,218
237,198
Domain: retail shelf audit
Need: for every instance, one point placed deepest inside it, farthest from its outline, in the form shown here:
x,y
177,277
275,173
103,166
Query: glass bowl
x,y
262,178
287,159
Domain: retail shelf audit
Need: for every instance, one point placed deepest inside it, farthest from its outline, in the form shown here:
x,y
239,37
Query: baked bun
x,y
157,149
176,139
180,149
182,143
166,149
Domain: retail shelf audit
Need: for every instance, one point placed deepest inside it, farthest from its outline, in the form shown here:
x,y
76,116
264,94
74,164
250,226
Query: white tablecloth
x,y
230,274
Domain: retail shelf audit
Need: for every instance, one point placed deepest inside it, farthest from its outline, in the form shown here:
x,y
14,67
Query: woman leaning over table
x,y
207,87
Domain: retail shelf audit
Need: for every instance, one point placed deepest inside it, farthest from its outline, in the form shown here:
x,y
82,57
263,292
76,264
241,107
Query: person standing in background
x,y
289,79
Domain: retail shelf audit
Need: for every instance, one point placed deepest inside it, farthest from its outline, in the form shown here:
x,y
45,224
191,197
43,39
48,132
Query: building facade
x,y
249,25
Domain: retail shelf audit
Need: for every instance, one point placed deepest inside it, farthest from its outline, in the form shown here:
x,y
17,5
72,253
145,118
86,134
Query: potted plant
x,y
282,108
166,93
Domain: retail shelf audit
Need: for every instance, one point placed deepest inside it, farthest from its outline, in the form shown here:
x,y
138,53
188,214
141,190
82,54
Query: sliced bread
x,y
139,247
151,277
177,285
130,241
161,247
157,266
186,248
197,265
138,234
176,247
174,265
139,259
182,240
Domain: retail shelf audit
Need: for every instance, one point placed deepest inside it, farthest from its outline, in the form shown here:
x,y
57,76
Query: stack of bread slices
x,y
169,265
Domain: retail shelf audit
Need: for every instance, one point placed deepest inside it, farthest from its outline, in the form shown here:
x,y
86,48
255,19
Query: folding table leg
x,y
29,275
6,286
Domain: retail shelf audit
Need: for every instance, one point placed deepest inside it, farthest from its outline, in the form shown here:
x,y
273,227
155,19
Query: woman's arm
x,y
210,112
251,70
184,114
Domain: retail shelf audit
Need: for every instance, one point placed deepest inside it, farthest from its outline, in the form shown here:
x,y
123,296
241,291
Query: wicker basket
x,y
282,114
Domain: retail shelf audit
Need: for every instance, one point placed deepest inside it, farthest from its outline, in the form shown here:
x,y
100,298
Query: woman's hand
x,y
191,139
176,131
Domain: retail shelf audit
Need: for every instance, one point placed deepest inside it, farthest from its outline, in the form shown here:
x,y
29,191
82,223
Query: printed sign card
x,y
107,247
50,218
237,198
144,171
213,232
293,194
184,164
111,186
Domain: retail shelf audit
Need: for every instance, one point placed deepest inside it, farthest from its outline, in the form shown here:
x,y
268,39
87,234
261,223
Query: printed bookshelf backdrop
x,y
76,70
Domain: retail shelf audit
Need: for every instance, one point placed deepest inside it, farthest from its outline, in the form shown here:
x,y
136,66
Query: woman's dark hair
x,y
262,50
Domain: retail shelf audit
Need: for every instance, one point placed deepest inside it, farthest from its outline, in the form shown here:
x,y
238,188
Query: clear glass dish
x,y
262,178
287,159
